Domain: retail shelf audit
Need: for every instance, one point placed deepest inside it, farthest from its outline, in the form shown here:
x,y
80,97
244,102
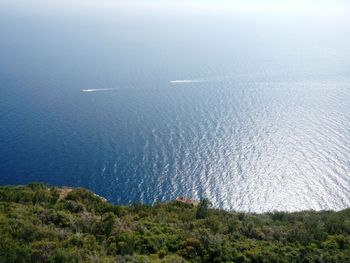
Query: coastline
x,y
41,223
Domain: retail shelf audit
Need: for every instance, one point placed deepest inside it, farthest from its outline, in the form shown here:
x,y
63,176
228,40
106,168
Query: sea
x,y
142,105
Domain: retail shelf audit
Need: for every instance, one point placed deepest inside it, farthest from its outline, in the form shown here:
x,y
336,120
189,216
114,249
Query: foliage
x,y
203,208
38,223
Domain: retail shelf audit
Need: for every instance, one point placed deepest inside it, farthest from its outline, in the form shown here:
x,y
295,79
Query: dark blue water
x,y
252,111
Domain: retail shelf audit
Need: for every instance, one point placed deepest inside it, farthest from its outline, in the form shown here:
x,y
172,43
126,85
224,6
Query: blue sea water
x,y
251,111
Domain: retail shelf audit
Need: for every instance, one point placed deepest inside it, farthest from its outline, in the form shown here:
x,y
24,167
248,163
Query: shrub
x,y
203,208
36,226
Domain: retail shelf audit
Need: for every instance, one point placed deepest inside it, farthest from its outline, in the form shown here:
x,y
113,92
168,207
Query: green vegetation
x,y
39,223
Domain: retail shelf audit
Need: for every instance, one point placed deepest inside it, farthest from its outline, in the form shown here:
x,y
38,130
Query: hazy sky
x,y
285,7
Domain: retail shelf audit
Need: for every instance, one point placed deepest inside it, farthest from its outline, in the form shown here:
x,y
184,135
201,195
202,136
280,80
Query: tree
x,y
203,208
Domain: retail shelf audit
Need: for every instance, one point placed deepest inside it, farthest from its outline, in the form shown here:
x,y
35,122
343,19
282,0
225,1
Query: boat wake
x,y
96,90
184,81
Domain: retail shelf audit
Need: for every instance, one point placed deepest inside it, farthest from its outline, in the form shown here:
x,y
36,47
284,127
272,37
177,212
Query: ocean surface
x,y
249,110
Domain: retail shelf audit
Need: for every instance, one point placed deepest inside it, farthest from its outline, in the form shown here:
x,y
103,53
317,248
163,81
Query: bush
x,y
37,226
203,208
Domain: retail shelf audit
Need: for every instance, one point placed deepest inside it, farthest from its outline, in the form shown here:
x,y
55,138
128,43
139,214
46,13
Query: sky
x,y
282,7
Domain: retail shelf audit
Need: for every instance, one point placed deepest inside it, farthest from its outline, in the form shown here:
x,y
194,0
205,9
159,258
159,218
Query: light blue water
x,y
251,111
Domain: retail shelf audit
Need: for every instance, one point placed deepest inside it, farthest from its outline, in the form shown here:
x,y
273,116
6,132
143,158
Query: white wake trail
x,y
183,81
96,90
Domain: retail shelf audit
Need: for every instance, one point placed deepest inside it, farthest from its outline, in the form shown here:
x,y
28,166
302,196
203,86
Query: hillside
x,y
40,223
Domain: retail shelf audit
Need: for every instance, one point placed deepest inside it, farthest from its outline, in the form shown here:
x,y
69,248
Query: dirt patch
x,y
63,192
187,201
